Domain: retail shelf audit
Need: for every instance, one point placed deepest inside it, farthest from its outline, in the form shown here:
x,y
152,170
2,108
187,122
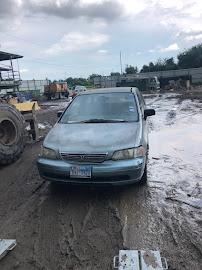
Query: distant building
x,y
144,83
194,75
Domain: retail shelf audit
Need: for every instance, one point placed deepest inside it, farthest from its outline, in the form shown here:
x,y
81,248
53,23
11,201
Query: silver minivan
x,y
101,138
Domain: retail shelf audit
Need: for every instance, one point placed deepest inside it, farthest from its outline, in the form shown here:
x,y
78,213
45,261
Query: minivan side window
x,y
141,101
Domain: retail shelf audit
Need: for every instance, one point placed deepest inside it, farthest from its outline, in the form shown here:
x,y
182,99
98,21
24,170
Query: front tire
x,y
143,180
12,134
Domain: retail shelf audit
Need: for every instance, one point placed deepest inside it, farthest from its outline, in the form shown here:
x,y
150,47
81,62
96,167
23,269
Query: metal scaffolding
x,y
9,78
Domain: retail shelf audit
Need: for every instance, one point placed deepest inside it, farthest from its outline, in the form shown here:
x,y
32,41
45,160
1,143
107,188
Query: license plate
x,y
80,172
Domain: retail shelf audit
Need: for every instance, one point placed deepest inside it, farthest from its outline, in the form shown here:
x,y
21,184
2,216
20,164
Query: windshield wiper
x,y
98,120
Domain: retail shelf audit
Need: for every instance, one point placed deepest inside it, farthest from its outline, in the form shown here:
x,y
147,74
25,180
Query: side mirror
x,y
59,113
149,112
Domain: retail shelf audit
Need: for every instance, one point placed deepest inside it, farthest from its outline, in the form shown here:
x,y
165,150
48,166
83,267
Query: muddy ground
x,y
83,228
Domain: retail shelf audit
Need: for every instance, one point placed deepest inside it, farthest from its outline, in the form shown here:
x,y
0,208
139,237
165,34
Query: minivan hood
x,y
93,137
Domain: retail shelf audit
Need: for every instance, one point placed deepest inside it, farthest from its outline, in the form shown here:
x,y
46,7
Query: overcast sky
x,y
62,38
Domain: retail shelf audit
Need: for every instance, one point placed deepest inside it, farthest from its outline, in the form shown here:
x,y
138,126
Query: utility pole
x,y
19,70
121,63
12,68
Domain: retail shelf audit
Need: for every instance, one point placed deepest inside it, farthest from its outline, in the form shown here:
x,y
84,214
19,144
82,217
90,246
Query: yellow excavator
x,y
14,115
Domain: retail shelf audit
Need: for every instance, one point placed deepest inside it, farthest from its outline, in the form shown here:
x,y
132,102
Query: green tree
x,y
170,64
191,58
151,66
145,68
92,76
160,64
72,82
115,74
131,70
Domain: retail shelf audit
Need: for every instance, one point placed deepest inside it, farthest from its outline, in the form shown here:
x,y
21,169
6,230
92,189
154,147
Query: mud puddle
x,y
166,214
55,104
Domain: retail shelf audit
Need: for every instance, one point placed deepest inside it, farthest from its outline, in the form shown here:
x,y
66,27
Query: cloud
x,y
8,7
13,11
8,45
172,15
191,35
102,51
133,7
8,12
194,37
68,9
24,70
182,14
63,26
170,48
76,41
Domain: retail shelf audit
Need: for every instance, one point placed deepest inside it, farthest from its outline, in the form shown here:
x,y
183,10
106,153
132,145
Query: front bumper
x,y
109,172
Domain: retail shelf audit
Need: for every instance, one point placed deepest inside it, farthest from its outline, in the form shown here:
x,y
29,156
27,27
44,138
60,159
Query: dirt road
x,y
83,228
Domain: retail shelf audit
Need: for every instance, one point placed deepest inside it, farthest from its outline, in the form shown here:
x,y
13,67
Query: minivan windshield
x,y
101,108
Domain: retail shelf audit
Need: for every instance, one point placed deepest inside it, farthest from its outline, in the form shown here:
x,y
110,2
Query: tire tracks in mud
x,y
185,236
15,188
92,235
84,235
60,236
65,229
56,228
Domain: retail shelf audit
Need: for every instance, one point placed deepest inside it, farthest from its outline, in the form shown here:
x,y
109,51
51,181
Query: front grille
x,y
94,158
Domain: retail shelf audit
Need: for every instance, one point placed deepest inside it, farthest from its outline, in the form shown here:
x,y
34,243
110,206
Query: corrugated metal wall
x,y
33,85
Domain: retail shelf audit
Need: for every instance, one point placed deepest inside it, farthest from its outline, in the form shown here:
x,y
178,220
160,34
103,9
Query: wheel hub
x,y
8,132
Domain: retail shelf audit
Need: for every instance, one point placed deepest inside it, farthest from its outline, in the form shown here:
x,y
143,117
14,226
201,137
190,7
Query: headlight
x,y
129,153
48,153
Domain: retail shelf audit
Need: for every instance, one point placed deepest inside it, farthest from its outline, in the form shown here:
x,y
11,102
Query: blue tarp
x,y
25,96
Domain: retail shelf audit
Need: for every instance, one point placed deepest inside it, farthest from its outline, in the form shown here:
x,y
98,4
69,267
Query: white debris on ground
x,y
41,126
44,126
6,245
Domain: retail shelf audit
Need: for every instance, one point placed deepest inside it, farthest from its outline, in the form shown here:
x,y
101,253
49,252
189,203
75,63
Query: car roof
x,y
111,90
80,86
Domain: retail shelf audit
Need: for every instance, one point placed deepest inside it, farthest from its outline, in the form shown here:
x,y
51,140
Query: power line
x,y
25,40
41,61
